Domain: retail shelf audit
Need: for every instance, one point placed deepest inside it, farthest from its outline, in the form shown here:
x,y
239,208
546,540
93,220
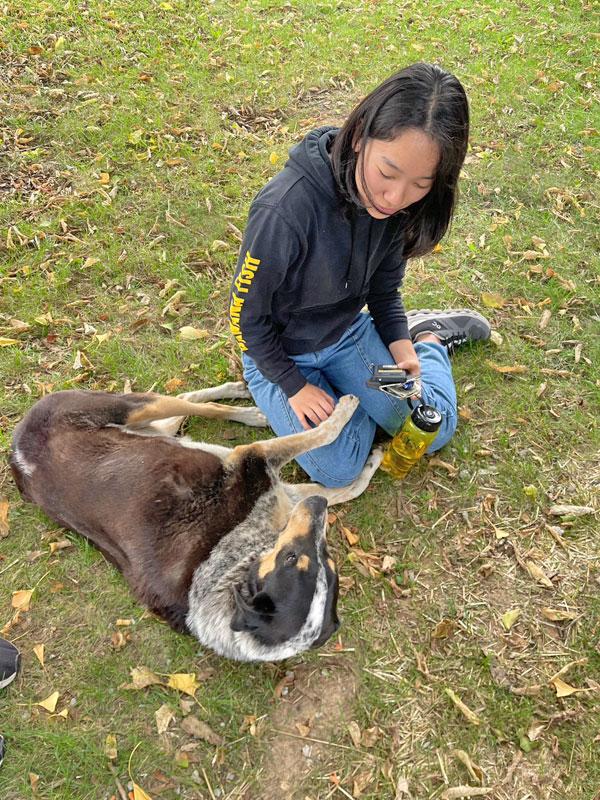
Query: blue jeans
x,y
343,368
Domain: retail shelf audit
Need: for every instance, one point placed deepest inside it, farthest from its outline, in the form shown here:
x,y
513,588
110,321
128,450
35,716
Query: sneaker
x,y
10,659
454,326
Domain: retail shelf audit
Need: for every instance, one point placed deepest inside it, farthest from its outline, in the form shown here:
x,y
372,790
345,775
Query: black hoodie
x,y
307,267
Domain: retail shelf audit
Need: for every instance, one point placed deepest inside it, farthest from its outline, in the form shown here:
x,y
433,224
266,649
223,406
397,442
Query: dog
x,y
208,537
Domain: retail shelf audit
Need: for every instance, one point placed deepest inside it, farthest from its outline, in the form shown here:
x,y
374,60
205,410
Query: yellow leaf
x,y
564,689
352,538
464,709
510,617
4,342
50,702
173,384
22,599
189,333
39,652
184,682
64,713
492,300
62,545
59,43
104,178
3,517
124,622
90,261
110,747
514,369
139,793
274,158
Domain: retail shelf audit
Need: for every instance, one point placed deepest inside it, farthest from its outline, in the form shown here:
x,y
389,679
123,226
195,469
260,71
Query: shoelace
x,y
453,341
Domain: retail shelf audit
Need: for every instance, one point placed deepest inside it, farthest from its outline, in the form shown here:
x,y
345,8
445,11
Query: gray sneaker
x,y
10,659
454,326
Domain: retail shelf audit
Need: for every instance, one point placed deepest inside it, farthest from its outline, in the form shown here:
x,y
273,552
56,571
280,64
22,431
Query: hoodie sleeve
x,y
385,301
269,248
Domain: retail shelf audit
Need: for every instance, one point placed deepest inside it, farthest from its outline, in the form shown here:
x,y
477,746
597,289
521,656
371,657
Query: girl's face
x,y
397,173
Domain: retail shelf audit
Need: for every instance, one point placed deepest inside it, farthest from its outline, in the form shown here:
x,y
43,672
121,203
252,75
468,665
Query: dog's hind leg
x,y
279,451
160,407
248,415
344,493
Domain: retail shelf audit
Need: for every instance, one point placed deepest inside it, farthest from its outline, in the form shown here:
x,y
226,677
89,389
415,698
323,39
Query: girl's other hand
x,y
405,356
312,404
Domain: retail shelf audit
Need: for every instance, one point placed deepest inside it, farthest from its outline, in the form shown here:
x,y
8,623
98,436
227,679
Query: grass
x,y
132,140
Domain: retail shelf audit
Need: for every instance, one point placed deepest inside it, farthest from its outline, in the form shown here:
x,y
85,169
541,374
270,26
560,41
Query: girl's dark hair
x,y
425,97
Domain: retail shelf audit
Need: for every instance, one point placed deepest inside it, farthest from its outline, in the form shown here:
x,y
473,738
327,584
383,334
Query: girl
x,y
332,232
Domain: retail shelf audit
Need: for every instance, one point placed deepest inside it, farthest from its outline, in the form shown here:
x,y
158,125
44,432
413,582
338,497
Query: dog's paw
x,y
256,418
375,458
347,405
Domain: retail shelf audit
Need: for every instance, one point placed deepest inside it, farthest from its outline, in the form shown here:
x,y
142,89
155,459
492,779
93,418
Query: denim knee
x,y
331,476
446,431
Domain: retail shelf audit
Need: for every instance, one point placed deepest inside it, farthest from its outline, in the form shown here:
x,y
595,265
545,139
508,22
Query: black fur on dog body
x,y
207,537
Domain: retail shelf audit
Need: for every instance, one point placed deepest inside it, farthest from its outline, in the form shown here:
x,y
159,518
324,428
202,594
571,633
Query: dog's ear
x,y
248,616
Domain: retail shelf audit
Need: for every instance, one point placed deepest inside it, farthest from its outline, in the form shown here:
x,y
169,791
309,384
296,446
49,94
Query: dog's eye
x,y
290,559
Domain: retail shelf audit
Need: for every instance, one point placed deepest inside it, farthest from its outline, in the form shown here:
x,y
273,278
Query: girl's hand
x,y
311,404
405,356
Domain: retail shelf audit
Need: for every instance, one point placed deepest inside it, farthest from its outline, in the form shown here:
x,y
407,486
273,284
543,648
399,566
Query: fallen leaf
x,y
564,689
360,782
190,334
142,677
33,782
354,731
184,682
510,617
545,319
173,385
474,771
444,629
570,511
351,538
110,747
4,342
4,527
22,599
50,702
463,708
492,300
514,369
124,622
558,615
538,574
164,717
370,736
200,730
62,545
39,652
139,793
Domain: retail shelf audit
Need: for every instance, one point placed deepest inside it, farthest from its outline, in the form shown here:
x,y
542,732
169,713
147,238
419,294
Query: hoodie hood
x,y
310,158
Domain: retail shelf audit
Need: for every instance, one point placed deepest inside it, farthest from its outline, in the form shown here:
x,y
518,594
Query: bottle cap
x,y
426,418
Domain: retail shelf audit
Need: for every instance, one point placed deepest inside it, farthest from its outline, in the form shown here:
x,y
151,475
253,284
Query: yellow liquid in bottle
x,y
406,448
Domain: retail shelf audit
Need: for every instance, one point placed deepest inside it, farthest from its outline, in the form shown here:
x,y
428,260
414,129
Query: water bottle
x,y
412,440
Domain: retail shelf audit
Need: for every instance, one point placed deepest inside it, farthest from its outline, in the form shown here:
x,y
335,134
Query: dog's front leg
x,y
278,452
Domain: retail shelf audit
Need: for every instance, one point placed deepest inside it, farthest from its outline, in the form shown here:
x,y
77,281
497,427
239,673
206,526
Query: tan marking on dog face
x,y
303,562
297,527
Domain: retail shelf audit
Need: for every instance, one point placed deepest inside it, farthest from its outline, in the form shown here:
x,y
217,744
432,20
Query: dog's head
x,y
290,595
